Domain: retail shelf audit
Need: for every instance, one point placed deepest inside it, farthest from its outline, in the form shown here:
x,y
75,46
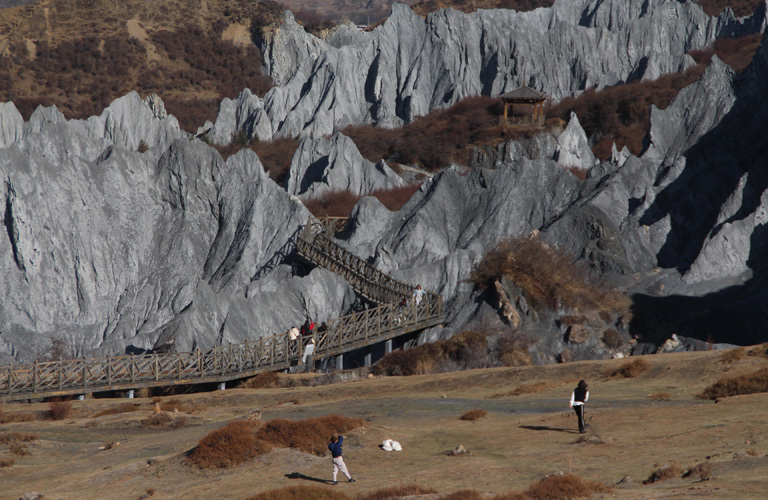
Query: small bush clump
x,y
7,418
548,276
6,462
663,473
301,493
230,445
512,348
115,410
164,419
17,437
59,409
341,203
702,471
630,369
564,486
395,492
309,435
266,380
732,355
465,350
743,384
473,415
612,339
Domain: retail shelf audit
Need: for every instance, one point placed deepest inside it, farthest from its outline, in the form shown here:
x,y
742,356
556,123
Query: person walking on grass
x,y
578,398
338,460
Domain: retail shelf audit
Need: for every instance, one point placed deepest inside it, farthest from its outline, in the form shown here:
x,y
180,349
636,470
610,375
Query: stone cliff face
x,y
409,65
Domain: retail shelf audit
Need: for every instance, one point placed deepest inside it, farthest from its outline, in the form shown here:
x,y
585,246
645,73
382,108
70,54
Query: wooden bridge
x,y
224,363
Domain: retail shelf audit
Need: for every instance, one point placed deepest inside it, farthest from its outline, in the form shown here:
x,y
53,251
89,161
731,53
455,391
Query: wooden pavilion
x,y
524,96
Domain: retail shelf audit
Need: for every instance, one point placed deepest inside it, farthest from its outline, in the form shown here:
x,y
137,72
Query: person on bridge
x,y
308,327
418,294
309,352
338,460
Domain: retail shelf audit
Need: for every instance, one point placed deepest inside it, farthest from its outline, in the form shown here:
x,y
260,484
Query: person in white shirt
x,y
418,294
578,398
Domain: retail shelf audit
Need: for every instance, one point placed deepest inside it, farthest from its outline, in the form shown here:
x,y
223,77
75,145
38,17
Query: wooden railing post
x,y
34,377
156,368
200,361
133,369
109,370
178,365
10,379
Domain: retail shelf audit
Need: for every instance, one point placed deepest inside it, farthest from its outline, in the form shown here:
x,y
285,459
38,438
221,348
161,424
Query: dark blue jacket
x,y
336,447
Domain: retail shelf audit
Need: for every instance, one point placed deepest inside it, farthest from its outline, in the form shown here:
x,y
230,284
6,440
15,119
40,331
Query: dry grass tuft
x,y
743,384
532,388
301,493
465,350
17,437
6,462
512,348
702,471
630,369
59,409
548,276
395,492
463,495
266,380
564,486
732,355
660,396
116,410
663,473
310,435
19,450
473,415
230,445
164,419
7,418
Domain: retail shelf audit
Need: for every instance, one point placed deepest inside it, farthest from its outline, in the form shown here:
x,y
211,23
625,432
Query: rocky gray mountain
x,y
409,65
321,166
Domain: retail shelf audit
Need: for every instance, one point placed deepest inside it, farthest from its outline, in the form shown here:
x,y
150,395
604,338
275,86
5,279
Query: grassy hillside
x,y
647,426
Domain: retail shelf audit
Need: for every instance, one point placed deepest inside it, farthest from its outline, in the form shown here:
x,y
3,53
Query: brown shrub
x,y
19,450
395,492
531,388
740,7
7,418
276,156
612,339
465,350
174,405
164,419
564,486
301,493
630,369
310,435
266,380
548,276
702,471
743,384
663,473
732,355
230,445
115,410
463,495
59,409
512,348
473,415
6,462
17,437
424,7
660,396
341,203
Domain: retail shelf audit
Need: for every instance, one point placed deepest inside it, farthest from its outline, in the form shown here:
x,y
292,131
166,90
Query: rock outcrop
x,y
409,65
320,166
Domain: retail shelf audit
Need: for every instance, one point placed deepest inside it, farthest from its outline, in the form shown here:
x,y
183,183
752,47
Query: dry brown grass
x,y
512,348
548,276
341,203
275,155
19,450
743,384
670,471
59,409
660,396
465,350
266,380
426,6
115,410
733,355
564,486
309,435
702,471
740,7
7,418
164,419
532,388
301,493
230,445
473,415
6,462
630,369
17,437
395,492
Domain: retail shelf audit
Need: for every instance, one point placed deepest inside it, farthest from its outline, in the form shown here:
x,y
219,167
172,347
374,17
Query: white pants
x,y
338,464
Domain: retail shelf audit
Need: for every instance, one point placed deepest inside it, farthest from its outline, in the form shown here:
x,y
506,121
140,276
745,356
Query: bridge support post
x,y
130,393
388,346
340,362
367,359
81,397
222,386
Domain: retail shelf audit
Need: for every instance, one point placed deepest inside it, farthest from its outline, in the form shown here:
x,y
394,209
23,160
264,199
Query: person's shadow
x,y
545,428
299,475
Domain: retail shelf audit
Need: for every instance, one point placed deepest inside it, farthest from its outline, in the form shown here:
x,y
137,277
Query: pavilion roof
x,y
524,93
